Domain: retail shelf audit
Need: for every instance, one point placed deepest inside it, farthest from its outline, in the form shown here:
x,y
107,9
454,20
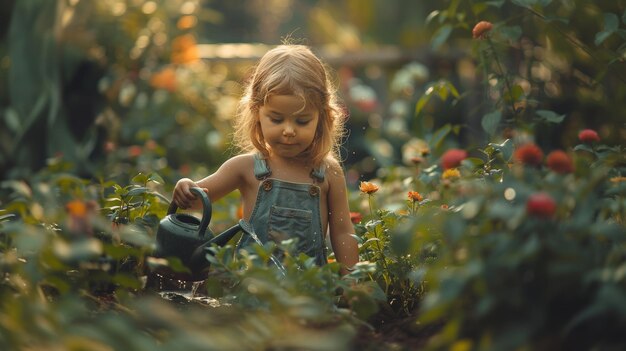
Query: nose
x,y
289,131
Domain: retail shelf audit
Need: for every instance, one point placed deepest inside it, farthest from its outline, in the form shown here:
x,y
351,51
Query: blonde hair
x,y
291,70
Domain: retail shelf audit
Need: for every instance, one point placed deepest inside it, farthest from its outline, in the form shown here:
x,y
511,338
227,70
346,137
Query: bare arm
x,y
227,178
341,228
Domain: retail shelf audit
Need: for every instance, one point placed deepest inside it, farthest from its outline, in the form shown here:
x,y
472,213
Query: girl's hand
x,y
183,197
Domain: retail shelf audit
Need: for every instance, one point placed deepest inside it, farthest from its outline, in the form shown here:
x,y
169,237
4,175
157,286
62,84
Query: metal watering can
x,y
188,238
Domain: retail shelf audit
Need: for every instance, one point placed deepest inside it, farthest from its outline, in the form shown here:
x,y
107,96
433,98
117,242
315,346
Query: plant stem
x,y
504,76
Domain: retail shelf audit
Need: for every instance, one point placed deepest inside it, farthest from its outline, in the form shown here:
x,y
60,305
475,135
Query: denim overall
x,y
285,210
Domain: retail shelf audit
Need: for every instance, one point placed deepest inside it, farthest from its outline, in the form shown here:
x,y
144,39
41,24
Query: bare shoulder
x,y
334,169
239,163
334,172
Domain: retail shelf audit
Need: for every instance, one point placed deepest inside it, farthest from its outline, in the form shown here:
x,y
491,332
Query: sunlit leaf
x,y
440,37
138,191
550,116
155,177
140,179
491,121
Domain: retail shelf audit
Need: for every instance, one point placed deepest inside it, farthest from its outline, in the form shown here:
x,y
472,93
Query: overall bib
x,y
285,210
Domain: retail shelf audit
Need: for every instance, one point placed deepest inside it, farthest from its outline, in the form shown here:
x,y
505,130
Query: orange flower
x,y
165,79
76,208
541,205
187,22
588,136
368,188
452,173
415,196
560,162
452,158
481,29
184,49
529,154
618,179
80,217
240,211
444,207
356,217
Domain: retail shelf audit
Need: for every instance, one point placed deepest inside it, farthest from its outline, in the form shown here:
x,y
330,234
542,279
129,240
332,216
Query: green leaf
x,y
441,36
601,37
155,177
138,191
495,3
432,16
611,22
140,179
514,94
452,89
421,103
437,138
583,147
491,121
550,116
512,33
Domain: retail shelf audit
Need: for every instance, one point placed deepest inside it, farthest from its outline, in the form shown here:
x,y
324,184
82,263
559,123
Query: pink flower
x,y
452,158
588,136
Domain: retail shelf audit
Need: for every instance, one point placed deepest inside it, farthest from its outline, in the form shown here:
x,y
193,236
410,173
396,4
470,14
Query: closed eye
x,y
303,123
276,120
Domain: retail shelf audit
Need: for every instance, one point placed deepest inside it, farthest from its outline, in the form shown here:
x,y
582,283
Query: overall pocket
x,y
285,223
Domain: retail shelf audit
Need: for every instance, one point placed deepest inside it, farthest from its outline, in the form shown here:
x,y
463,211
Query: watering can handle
x,y
207,210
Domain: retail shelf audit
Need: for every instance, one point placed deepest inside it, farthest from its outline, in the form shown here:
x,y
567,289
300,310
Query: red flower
x,y
481,29
134,151
560,162
355,217
452,158
529,154
588,136
541,205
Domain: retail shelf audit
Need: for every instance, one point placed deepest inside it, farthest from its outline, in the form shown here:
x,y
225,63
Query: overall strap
x,y
261,169
318,173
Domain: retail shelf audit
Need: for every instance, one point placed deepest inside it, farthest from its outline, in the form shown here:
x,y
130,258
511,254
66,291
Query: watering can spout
x,y
198,261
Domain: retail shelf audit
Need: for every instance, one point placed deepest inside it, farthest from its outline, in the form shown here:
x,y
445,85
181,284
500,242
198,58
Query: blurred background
x,y
104,88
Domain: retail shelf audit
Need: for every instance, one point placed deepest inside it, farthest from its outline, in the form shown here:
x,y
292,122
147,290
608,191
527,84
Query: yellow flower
x,y
415,196
368,188
451,173
462,345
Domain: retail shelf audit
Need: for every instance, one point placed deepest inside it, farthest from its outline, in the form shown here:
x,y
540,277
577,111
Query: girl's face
x,y
287,128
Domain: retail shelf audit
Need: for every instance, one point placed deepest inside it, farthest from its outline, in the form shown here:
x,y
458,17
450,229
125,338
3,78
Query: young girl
x,y
289,176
